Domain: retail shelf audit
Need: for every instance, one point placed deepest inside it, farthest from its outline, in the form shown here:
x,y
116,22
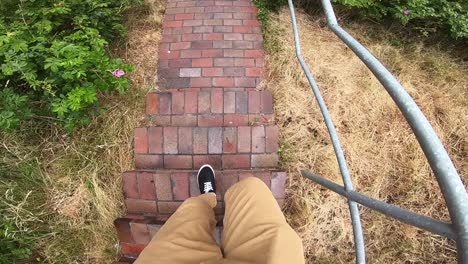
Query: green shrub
x,y
428,15
53,58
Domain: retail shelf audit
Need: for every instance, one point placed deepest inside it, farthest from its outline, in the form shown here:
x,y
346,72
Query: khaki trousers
x,y
255,231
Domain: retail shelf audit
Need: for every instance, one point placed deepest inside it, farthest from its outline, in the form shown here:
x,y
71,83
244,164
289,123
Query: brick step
x,y
159,193
216,107
241,147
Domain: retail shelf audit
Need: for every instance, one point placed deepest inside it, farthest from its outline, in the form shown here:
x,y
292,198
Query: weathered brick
x,y
180,63
217,102
230,140
264,160
222,44
192,23
202,44
253,72
212,36
178,161
236,120
200,82
241,102
232,22
152,104
228,179
155,138
180,186
185,140
236,161
153,229
222,15
271,139
244,62
178,102
223,82
190,54
129,249
193,184
229,102
192,37
212,53
251,22
223,29
214,160
244,82
203,29
212,22
233,71
130,185
183,16
190,72
223,62
254,53
168,207
162,181
203,62
267,102
215,140
241,29
253,37
278,182
254,102
258,139
148,161
170,140
204,102
233,53
170,24
137,206
244,139
212,72
124,233
200,140
140,233
184,120
210,120
146,186
165,103
141,140
180,45
191,102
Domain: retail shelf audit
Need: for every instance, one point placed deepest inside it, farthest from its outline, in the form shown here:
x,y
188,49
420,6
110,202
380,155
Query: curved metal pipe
x,y
348,185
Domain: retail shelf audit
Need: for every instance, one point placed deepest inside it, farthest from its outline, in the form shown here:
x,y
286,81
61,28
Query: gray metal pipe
x,y
348,185
421,221
447,176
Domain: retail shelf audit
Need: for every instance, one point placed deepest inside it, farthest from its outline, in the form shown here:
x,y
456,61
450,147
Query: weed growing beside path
x,y
385,160
62,192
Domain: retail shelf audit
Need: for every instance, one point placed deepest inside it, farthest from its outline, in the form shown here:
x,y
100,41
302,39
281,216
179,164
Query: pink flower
x,y
118,73
406,12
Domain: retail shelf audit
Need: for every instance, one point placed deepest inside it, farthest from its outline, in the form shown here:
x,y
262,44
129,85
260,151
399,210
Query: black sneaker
x,y
206,179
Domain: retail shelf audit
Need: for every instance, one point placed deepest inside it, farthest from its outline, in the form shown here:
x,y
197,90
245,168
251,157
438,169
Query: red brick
x,y
233,53
223,62
212,22
168,207
178,102
190,54
152,104
204,16
180,63
264,160
200,140
183,16
272,135
200,82
228,179
191,102
241,29
171,38
232,22
186,4
241,3
155,138
140,233
258,139
233,71
251,23
146,186
212,72
210,120
180,186
222,44
264,176
171,24
170,140
204,102
130,185
178,161
267,102
131,249
202,44
124,234
190,72
204,62
213,36
278,182
223,29
241,102
230,140
223,3
184,120
223,82
185,140
260,118
253,37
236,161
148,161
253,53
211,53
137,206
259,62
253,72
193,184
244,82
215,140
192,37
180,45
141,140
236,120
244,139
229,102
170,11
244,16
241,62
223,15
214,160
162,181
203,29
165,103
194,10
254,102
217,102
192,23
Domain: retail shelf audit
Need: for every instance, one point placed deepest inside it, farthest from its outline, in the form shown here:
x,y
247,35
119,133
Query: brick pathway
x,y
210,111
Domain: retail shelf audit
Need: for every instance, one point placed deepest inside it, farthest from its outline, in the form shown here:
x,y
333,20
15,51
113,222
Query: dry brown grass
x,y
82,172
385,160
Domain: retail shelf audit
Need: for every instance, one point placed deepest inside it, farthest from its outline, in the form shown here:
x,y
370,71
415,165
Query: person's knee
x,y
250,184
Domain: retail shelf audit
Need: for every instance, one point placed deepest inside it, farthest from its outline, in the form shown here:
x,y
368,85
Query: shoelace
x,y
207,187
